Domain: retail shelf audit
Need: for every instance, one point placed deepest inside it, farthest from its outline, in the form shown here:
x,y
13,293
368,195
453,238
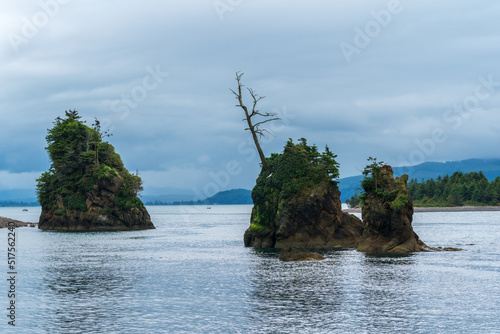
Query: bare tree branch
x,y
267,120
253,128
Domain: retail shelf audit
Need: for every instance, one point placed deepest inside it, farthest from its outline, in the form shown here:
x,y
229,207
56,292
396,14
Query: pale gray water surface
x,y
193,275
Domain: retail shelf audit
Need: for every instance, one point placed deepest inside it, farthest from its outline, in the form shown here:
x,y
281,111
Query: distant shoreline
x,y
443,209
4,220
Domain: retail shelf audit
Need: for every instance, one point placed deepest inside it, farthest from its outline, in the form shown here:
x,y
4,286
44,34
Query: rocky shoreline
x,y
4,222
442,209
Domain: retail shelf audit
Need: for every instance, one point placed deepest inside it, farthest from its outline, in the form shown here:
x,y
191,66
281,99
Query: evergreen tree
x,y
372,174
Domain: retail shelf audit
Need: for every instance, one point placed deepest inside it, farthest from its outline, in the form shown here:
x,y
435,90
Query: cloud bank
x,y
157,74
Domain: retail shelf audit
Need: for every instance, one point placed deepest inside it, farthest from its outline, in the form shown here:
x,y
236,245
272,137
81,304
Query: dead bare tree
x,y
254,128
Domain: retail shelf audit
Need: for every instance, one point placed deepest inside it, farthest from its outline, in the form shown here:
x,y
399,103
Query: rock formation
x,y
299,254
313,219
7,222
297,205
87,186
387,215
101,213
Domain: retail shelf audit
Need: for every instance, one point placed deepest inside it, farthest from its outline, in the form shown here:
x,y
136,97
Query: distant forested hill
x,y
428,170
234,196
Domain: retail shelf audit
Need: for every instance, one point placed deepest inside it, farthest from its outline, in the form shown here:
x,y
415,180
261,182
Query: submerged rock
x,y
295,253
447,249
387,216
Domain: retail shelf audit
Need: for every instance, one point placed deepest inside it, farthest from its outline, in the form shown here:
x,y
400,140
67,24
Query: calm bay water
x,y
193,275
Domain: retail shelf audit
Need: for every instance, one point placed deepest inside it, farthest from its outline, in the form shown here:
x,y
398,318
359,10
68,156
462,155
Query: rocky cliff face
x,y
387,216
310,219
101,214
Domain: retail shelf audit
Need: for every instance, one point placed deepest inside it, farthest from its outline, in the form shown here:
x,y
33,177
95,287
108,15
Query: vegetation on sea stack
x,y
80,159
377,184
298,168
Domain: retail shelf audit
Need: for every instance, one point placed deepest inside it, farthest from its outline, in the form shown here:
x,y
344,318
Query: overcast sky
x,y
404,81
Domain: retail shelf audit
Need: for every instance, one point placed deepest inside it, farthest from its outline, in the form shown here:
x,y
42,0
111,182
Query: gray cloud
x,y
93,56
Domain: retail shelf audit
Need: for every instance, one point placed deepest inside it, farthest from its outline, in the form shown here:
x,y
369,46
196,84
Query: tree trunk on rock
x,y
254,128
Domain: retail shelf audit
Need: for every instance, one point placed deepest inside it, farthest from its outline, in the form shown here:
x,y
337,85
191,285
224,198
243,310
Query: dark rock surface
x,y
299,254
447,249
102,213
7,222
387,216
311,219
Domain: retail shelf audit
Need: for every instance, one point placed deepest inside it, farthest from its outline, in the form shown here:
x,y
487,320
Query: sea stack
x,y
387,214
296,203
87,187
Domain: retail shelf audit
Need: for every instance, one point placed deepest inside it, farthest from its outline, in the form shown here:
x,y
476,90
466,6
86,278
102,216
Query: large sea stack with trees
x,y
87,187
297,201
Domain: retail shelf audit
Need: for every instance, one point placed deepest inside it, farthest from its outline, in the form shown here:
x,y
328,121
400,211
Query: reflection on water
x,y
387,294
84,285
349,291
293,295
193,275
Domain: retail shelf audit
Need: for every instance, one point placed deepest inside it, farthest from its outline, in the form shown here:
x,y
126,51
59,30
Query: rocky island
x,y
87,187
297,202
8,222
387,213
296,198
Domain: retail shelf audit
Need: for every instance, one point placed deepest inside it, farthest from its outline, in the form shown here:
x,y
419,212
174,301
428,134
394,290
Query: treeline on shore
x,y
157,202
456,190
17,203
